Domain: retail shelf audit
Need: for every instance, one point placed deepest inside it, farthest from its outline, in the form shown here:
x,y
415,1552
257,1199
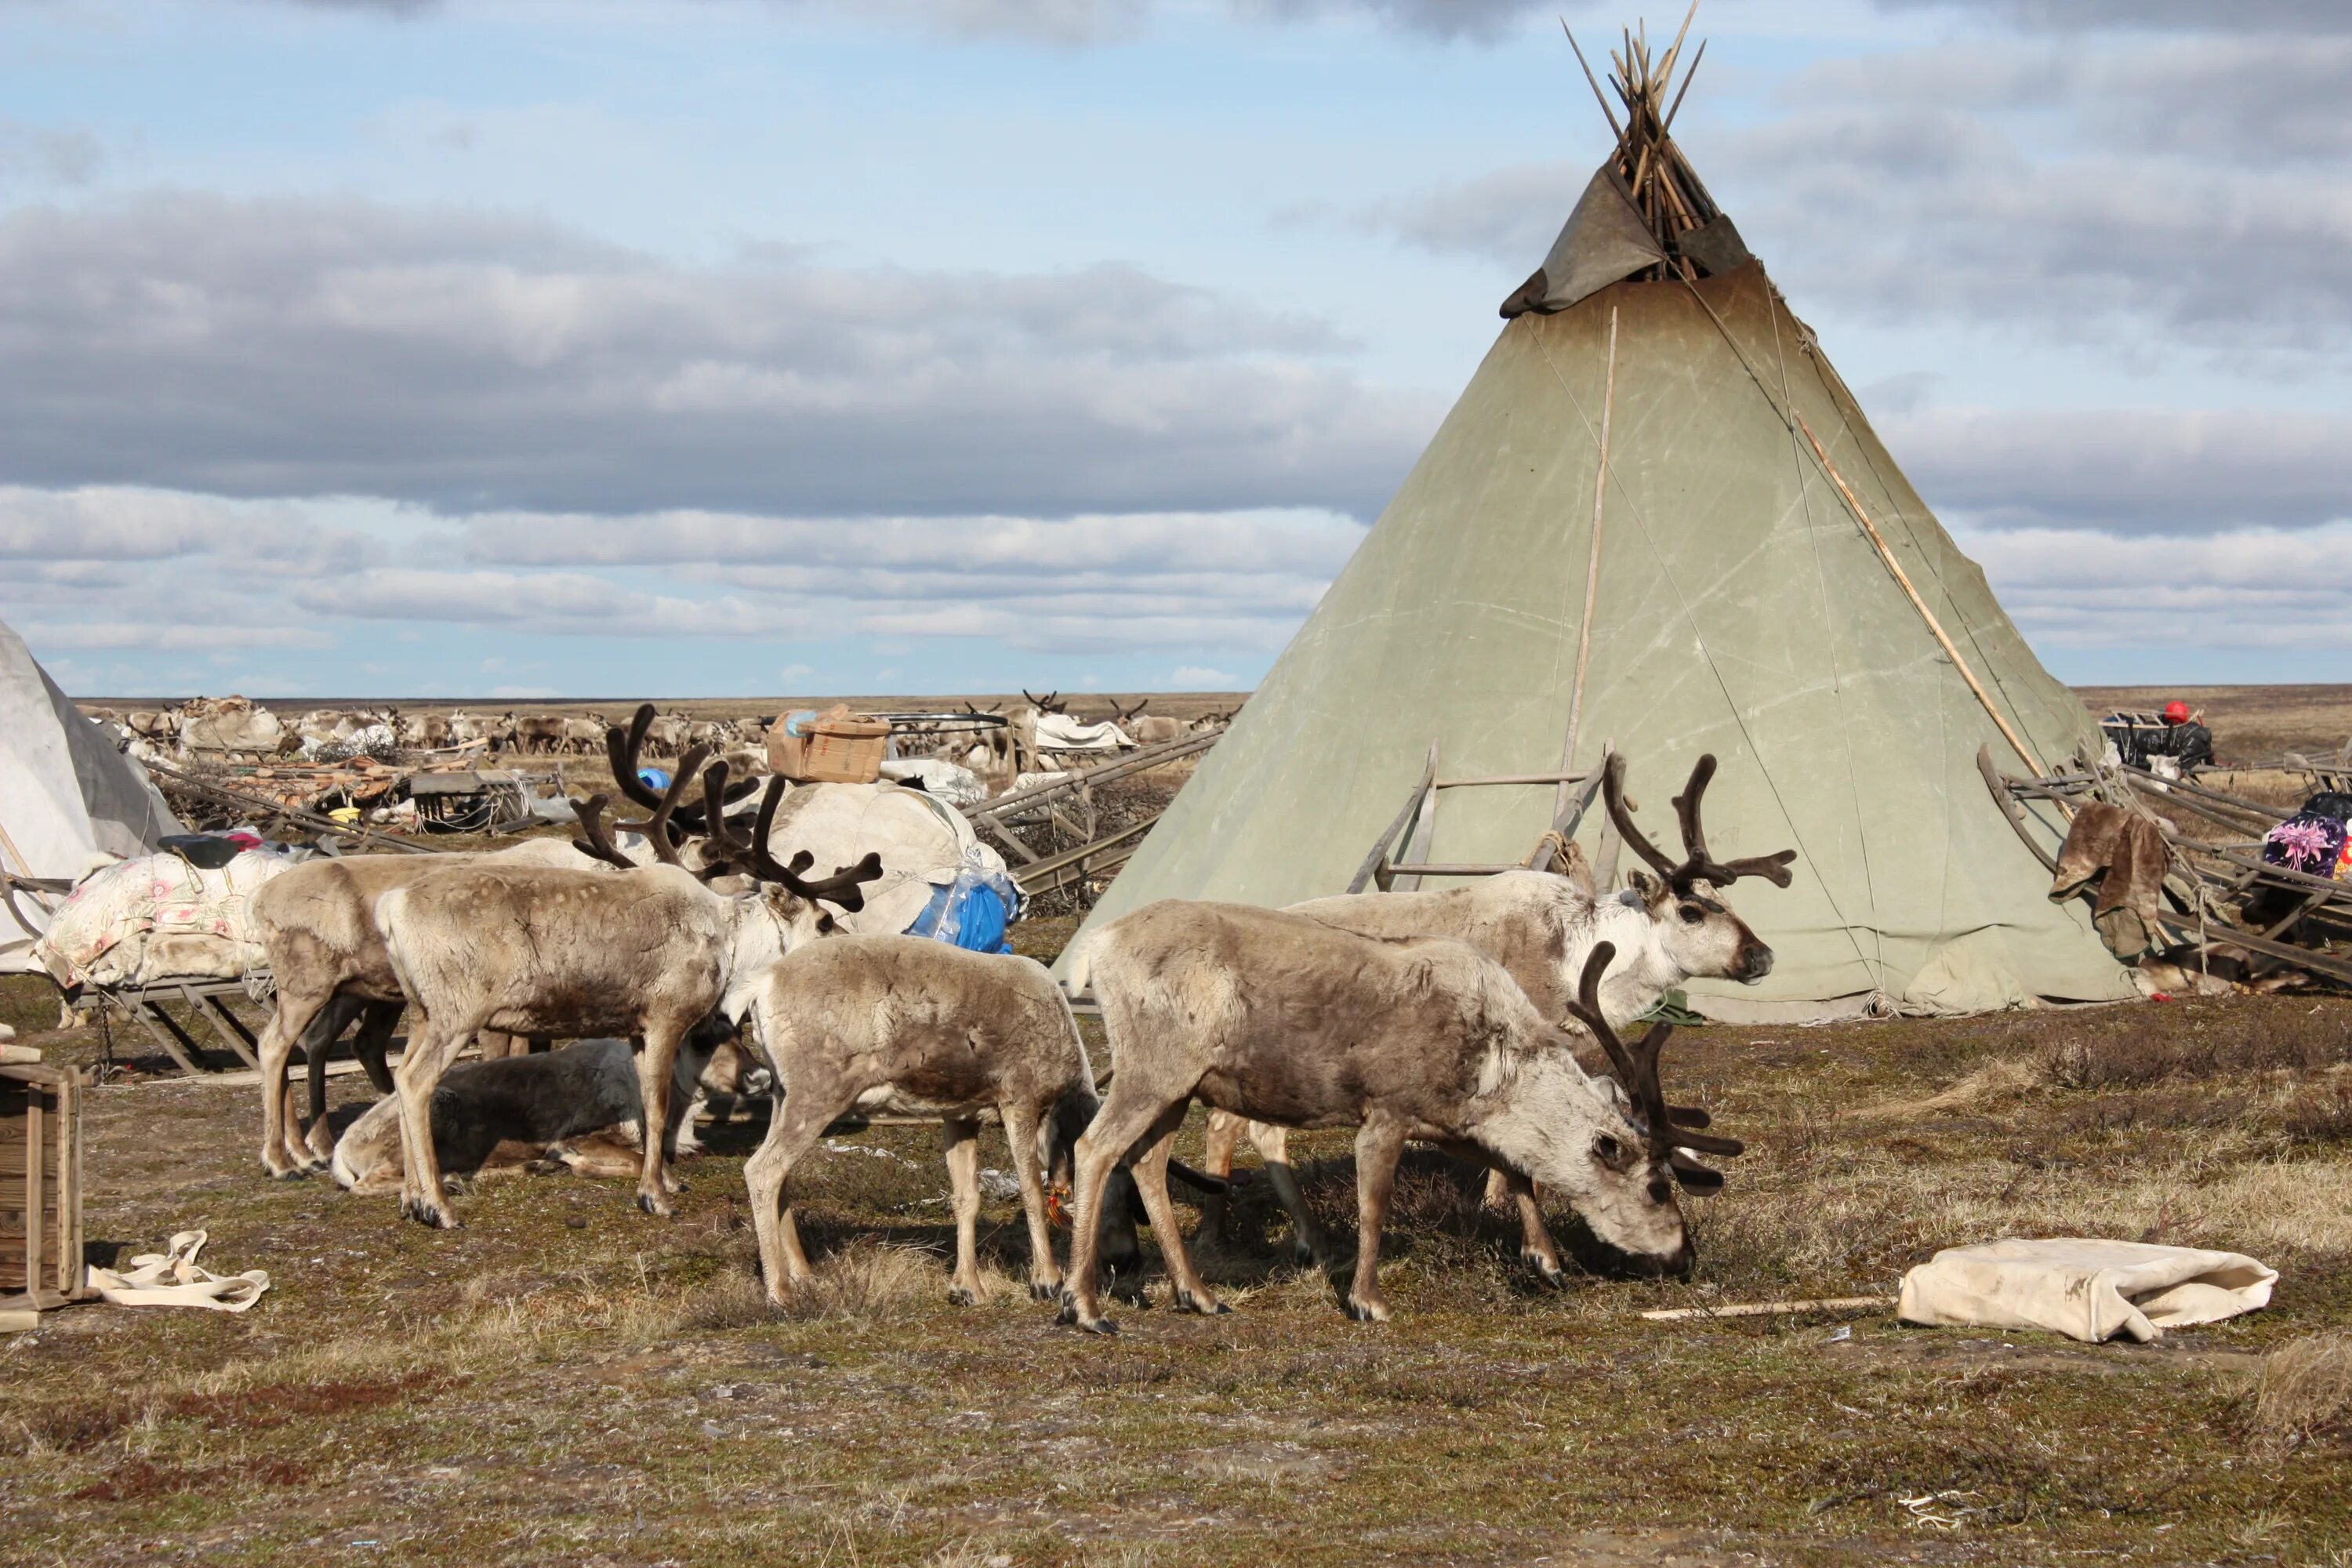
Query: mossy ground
x,y
565,1380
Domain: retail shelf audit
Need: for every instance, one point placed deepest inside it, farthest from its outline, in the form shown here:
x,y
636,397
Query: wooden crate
x,y
40,1184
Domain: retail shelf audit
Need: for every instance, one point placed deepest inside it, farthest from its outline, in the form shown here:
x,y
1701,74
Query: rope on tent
x,y
1731,704
1919,603
1591,574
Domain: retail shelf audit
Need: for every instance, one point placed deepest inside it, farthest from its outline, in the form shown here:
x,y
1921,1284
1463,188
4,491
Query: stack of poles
x,y
1667,192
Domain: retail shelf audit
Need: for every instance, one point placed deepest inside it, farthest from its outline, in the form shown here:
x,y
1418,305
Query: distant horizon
x,y
2184,688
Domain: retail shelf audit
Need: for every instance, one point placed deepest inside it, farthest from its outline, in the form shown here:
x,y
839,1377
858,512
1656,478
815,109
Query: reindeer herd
x,y
1462,1019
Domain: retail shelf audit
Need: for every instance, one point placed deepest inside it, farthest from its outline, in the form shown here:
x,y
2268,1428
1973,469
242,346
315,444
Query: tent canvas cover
x,y
69,802
1740,608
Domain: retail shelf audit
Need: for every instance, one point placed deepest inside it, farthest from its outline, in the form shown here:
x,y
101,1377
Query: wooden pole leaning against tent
x,y
1591,576
1862,516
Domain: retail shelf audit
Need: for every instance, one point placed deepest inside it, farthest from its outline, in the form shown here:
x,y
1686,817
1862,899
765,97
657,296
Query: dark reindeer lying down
x,y
578,1108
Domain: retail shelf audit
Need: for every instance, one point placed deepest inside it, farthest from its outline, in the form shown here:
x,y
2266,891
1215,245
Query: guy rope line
x,y
1903,577
1591,576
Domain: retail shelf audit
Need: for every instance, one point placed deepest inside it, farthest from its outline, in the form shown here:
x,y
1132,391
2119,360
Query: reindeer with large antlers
x,y
1542,927
645,954
1279,1019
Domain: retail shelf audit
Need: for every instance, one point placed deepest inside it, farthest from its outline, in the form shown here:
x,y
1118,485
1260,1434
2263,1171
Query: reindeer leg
x,y
1021,1123
656,1063
377,1025
1307,1244
1378,1148
1224,1134
1535,1248
290,1020
962,1138
1126,1116
1192,1292
1497,1199
795,1124
318,1043
431,1049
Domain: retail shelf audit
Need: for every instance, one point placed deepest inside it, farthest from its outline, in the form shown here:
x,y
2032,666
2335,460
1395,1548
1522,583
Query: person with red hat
x,y
2185,739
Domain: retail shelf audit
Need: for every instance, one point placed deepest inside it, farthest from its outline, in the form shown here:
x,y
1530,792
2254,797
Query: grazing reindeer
x,y
1541,927
906,1026
315,925
1279,1019
645,954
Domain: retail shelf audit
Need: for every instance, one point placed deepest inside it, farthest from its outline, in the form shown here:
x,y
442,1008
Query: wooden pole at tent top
x,y
1888,555
1591,576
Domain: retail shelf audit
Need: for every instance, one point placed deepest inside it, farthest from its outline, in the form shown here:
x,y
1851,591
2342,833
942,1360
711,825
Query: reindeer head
x,y
1694,928
1616,1151
1050,704
1124,716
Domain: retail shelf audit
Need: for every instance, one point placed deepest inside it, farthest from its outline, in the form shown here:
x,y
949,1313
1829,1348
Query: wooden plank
x,y
1999,786
1379,852
35,1201
208,1008
1424,823
1511,779
1059,871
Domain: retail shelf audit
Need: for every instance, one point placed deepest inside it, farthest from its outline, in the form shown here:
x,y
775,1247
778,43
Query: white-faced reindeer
x,y
645,953
1542,927
903,1026
1283,1019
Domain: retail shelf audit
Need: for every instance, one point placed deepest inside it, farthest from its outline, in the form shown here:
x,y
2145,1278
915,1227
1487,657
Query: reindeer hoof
x,y
1187,1303
1302,1254
656,1206
1367,1312
1548,1270
1040,1291
960,1297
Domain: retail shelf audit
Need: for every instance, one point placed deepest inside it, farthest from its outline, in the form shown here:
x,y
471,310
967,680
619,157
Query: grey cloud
x,y
2155,197
97,528
1071,23
466,361
2131,473
2303,16
47,155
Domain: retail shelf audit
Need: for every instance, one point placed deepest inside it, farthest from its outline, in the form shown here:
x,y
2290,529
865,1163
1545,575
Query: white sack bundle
x,y
2090,1290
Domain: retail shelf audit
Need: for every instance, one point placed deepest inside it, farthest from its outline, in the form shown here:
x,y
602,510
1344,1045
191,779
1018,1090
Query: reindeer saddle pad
x,y
2092,1290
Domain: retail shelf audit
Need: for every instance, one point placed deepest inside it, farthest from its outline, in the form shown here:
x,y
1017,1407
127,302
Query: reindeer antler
x,y
1613,792
841,887
625,749
656,828
594,841
1698,865
1669,1128
1774,868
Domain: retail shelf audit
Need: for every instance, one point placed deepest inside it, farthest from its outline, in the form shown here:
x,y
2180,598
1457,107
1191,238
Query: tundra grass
x,y
565,1380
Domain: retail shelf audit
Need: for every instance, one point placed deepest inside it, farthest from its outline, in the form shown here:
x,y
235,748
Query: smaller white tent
x,y
69,802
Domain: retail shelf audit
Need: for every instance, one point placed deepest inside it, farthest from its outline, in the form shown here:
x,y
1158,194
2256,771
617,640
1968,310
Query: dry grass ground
x,y
567,1382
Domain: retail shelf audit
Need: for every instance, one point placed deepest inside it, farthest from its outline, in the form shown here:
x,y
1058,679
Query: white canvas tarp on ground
x,y
69,802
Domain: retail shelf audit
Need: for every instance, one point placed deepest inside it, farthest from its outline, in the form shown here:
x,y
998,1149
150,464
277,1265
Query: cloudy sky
x,y
500,348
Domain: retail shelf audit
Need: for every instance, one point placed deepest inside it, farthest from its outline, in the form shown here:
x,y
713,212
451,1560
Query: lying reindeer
x,y
1542,927
579,1109
1280,1018
903,1026
645,953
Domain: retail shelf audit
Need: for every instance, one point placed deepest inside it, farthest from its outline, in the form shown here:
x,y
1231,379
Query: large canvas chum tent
x,y
69,802
1764,585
